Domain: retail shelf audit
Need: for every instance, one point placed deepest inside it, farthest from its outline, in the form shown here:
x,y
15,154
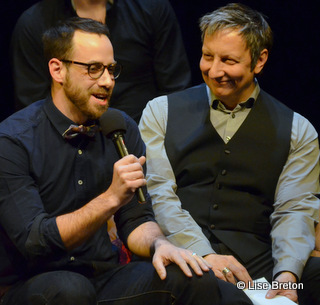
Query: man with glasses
x,y
60,182
145,36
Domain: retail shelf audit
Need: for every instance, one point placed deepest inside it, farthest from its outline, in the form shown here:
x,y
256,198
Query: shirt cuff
x,y
289,264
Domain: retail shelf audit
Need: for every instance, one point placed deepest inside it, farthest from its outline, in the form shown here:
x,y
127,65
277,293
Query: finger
x,y
128,159
204,265
219,274
229,276
239,272
202,259
290,294
132,175
272,293
183,264
194,263
160,268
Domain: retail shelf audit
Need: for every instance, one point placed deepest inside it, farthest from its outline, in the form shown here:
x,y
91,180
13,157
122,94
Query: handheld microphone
x,y
113,126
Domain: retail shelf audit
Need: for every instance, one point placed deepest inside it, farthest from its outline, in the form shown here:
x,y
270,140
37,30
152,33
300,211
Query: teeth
x,y
102,97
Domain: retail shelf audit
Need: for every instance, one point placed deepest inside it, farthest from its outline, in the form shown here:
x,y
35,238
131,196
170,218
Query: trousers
x,y
136,283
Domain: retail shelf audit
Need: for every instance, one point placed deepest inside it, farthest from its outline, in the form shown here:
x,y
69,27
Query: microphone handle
x,y
122,150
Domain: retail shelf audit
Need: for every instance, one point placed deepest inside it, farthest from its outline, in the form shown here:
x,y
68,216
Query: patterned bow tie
x,y
75,130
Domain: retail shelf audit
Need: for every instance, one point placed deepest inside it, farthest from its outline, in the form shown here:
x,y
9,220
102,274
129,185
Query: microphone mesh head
x,y
112,121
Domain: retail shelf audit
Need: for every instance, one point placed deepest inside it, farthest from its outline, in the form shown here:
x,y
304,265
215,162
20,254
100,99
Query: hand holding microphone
x,y
113,126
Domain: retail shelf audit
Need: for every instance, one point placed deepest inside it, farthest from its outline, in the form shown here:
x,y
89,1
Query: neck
x,y
65,106
88,3
232,102
94,9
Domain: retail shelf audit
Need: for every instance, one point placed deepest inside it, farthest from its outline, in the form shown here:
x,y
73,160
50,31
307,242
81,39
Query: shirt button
x,y
212,226
228,139
72,258
215,206
223,172
80,182
80,152
233,115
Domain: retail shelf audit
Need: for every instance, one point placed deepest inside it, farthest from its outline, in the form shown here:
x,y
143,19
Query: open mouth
x,y
101,97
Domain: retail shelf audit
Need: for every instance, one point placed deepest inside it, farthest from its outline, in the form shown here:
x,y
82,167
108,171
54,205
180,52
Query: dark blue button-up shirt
x,y
43,175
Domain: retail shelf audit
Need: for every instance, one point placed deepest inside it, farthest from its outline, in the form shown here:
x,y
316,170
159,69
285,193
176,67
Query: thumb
x,y
271,293
142,160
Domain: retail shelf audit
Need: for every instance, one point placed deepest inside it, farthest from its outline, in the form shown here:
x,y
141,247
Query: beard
x,y
80,99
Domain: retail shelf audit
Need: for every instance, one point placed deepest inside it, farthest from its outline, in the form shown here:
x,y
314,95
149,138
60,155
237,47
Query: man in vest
x,y
233,172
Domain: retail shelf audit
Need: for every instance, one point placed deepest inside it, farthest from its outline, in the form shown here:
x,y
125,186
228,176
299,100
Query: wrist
x,y
157,242
290,276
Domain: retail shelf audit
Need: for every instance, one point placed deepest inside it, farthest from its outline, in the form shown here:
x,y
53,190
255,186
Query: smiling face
x,y
86,98
226,66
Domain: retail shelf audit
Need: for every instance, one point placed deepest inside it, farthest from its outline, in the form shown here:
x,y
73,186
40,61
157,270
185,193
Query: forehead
x,y
92,47
226,40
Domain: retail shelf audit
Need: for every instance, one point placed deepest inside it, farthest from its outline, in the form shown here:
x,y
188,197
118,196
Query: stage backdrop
x,y
292,71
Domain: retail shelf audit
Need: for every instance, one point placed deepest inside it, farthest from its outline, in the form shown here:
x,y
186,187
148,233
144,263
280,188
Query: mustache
x,y
102,91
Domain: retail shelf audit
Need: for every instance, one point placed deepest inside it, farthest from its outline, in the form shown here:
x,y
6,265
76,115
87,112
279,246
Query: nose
x,y
106,80
215,70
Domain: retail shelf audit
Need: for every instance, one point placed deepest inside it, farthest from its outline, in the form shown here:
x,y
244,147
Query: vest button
x,y
223,172
218,186
227,151
215,206
212,226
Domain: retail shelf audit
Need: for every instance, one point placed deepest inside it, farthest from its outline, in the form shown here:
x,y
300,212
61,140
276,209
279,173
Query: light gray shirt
x,y
296,208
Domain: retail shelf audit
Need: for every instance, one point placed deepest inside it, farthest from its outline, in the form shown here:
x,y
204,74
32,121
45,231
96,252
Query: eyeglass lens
x,y
97,69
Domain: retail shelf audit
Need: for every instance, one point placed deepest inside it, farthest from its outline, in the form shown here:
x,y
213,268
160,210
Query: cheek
x,y
235,72
204,65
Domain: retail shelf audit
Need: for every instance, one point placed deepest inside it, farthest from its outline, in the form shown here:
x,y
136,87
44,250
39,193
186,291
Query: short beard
x,y
80,99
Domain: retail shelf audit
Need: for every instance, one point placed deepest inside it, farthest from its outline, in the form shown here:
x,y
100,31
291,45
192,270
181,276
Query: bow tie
x,y
75,130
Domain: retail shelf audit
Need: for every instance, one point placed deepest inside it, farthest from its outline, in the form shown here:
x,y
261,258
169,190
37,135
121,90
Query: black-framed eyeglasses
x,y
96,69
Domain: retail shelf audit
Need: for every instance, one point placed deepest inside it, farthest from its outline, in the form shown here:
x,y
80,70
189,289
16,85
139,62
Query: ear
x,y
261,61
57,70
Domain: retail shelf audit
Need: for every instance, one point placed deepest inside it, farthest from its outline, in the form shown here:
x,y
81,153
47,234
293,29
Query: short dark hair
x,y
251,25
57,40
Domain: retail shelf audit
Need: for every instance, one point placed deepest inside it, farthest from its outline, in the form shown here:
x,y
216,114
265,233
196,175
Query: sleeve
x,y
296,205
30,70
134,213
171,64
22,214
176,223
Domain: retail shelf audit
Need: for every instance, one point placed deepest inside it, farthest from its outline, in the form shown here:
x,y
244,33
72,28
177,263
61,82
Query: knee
x,y
194,289
230,294
66,288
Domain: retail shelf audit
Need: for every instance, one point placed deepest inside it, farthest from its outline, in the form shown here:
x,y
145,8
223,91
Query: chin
x,y
94,114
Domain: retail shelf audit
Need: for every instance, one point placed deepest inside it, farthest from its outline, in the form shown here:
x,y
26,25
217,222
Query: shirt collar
x,y
59,121
216,104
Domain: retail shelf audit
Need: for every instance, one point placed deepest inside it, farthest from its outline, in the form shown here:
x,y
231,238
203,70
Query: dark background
x,y
291,74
